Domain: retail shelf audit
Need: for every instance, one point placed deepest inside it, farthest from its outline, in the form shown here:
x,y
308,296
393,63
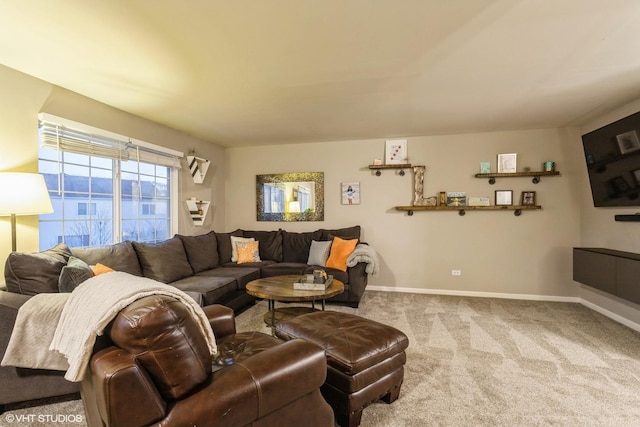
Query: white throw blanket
x,y
364,253
90,308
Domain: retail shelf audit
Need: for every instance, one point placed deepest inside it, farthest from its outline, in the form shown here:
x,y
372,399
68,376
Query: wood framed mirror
x,y
295,196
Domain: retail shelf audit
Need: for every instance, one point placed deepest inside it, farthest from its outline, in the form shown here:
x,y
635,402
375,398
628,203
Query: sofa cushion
x,y
340,251
34,273
119,256
319,252
270,244
211,289
165,262
283,269
348,233
75,272
295,246
202,251
224,245
242,275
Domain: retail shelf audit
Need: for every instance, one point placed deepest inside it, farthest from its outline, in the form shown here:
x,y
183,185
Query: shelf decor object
x,y
396,152
198,210
198,167
535,174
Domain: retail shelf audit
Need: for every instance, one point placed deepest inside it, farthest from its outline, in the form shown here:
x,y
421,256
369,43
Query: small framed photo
x,y
504,197
350,193
507,162
528,198
396,152
628,142
485,167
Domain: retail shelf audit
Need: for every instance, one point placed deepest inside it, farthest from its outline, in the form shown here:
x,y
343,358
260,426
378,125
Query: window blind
x,y
65,135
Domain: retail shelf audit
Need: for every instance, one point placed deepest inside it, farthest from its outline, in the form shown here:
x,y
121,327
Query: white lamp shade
x,y
23,194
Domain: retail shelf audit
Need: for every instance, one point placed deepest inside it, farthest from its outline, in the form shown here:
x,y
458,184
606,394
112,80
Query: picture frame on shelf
x,y
350,193
485,167
507,162
396,152
528,198
504,197
456,198
628,142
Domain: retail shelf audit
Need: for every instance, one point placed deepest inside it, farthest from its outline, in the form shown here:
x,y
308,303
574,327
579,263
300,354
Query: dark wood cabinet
x,y
611,271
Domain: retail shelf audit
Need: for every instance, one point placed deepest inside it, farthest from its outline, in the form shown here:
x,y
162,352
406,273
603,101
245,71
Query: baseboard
x,y
530,297
611,315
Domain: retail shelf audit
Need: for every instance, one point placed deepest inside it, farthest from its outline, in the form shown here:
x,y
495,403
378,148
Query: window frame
x,y
81,143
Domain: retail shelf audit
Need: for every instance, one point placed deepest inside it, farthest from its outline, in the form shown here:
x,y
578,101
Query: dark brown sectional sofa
x,y
199,265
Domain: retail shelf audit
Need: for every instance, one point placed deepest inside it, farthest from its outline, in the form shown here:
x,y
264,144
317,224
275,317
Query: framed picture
x,y
628,142
528,198
350,193
504,197
396,152
507,163
485,167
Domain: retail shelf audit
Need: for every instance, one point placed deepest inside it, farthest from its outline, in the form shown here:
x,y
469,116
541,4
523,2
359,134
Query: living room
x,y
497,253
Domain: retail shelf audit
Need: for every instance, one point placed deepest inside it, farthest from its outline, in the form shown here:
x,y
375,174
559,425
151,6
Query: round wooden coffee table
x,y
280,288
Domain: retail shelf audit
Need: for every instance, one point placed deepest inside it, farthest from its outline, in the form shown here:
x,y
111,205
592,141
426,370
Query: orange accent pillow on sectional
x,y
340,251
101,269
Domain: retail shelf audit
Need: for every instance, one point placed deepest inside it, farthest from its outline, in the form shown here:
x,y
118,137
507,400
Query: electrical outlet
x,y
456,272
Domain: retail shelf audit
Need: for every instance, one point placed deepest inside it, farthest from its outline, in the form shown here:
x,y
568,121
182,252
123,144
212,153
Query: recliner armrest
x,y
222,320
261,384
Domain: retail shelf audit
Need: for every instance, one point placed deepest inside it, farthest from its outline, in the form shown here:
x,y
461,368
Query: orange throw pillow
x,y
101,269
248,252
340,251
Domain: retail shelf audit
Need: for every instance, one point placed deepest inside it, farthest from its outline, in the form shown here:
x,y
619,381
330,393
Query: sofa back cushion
x,y
348,233
296,246
269,243
35,273
120,257
165,262
224,245
202,251
167,341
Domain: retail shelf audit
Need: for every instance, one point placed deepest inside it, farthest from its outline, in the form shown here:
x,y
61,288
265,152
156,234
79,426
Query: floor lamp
x,y
22,194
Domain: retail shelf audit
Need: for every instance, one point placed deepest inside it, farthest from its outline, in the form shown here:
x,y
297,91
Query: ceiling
x,y
244,72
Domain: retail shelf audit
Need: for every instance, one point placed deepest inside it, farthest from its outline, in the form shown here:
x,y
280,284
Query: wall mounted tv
x,y
612,154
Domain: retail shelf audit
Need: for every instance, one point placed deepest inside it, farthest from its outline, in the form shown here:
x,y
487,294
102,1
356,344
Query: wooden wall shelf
x,y
517,209
402,167
535,174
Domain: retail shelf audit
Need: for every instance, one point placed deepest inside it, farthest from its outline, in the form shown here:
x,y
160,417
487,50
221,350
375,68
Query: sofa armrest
x,y
222,320
258,386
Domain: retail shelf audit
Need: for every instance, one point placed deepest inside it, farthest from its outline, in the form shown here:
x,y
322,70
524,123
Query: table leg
x,y
322,305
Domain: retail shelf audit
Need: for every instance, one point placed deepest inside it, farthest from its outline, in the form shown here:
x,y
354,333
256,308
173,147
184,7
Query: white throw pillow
x,y
234,246
319,252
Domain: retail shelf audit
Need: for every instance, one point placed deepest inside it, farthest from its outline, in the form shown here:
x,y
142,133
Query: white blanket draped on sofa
x,y
83,314
364,253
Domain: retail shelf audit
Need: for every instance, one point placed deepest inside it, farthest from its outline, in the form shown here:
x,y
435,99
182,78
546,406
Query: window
x,y
83,208
105,188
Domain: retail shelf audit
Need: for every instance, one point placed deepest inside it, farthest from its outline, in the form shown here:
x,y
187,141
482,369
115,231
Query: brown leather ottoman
x,y
365,359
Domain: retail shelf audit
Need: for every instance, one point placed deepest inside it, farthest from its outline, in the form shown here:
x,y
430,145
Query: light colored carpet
x,y
489,362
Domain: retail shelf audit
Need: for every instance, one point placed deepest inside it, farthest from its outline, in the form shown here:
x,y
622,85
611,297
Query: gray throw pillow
x,y
75,272
319,252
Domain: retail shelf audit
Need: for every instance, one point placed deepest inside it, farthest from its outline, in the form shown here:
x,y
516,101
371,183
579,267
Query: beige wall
x,y
599,229
23,97
496,251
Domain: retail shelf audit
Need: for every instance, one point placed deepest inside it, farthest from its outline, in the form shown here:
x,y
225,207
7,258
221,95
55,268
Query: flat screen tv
x,y
612,154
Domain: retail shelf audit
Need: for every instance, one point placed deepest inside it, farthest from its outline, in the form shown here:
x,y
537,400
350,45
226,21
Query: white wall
x,y
21,99
496,251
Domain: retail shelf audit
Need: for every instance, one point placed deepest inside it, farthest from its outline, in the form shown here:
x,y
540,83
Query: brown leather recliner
x,y
156,370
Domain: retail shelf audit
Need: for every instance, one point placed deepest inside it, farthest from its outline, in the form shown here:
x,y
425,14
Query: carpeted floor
x,y
486,362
